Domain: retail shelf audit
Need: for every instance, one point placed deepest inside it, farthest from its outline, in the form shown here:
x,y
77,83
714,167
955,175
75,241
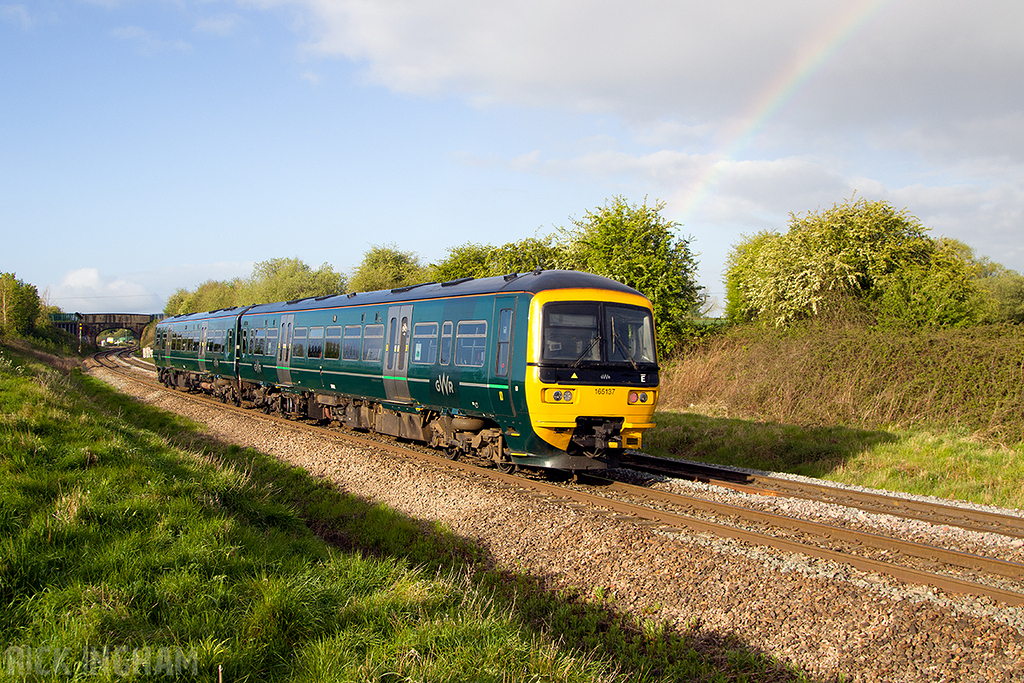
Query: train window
x,y
245,340
332,343
446,343
373,343
471,343
424,343
352,345
260,344
629,334
299,343
315,347
271,342
504,342
571,332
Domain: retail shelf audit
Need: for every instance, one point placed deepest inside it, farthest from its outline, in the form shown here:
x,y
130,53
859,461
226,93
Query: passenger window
x,y
373,343
332,343
446,343
315,346
299,343
424,343
261,343
271,342
471,343
352,342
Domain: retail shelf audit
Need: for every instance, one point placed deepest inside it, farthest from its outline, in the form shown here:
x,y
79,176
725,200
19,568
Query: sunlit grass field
x,y
946,465
134,547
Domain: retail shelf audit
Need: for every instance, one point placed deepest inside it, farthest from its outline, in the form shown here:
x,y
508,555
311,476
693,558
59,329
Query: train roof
x,y
531,282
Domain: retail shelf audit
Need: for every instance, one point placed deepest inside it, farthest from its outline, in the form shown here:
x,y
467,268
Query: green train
x,y
549,369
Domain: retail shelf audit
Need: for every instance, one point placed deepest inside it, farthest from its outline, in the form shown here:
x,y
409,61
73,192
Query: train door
x,y
284,349
396,357
501,361
202,346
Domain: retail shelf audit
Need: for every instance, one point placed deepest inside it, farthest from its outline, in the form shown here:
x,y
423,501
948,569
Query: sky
x,y
151,145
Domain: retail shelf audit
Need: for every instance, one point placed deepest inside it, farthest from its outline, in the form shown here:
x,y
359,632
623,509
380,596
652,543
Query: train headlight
x,y
559,396
638,397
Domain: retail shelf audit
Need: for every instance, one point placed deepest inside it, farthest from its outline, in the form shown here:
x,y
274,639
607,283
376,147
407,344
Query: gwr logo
x,y
444,385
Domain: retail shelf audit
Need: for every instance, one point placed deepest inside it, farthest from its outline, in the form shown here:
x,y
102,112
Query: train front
x,y
592,374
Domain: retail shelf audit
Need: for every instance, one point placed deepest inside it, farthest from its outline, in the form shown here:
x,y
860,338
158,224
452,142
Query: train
x,y
547,369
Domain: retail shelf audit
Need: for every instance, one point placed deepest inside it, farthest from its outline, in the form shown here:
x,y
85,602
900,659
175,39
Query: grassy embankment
x,y
939,413
130,542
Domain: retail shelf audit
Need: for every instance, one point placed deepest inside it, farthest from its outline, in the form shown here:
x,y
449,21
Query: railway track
x,y
765,484
909,561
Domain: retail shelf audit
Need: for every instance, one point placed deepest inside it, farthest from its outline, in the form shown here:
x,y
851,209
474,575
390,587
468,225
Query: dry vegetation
x,y
934,412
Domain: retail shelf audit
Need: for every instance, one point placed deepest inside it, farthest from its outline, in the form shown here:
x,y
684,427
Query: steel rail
x,y
934,513
829,532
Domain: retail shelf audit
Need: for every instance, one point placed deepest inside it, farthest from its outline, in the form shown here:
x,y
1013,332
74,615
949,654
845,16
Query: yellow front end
x,y
594,396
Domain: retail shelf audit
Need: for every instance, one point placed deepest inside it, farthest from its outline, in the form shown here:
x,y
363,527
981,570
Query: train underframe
x,y
455,435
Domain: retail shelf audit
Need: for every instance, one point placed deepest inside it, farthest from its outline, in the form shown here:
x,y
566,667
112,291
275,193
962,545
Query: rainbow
x,y
807,62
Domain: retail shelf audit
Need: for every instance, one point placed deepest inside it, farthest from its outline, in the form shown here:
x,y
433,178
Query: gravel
x,y
829,620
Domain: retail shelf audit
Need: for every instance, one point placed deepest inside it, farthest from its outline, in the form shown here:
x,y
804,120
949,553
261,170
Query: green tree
x,y
280,279
527,255
1006,293
386,267
177,303
1003,287
213,295
19,305
466,260
286,279
638,247
478,260
861,251
938,293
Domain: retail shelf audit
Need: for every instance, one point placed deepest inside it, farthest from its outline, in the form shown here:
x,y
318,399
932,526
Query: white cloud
x,y
86,290
679,58
89,290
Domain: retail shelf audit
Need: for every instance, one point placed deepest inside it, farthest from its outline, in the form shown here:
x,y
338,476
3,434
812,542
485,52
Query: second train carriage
x,y
552,369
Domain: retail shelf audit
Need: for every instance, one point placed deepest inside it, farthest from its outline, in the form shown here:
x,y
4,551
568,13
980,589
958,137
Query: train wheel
x,y
504,463
451,452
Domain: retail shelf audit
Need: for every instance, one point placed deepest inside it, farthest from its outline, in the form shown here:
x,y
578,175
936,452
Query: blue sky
x,y
149,145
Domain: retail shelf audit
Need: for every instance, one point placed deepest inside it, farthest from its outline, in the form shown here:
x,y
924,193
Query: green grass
x,y
948,465
133,545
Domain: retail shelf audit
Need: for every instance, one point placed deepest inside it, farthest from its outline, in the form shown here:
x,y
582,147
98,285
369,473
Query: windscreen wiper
x,y
621,343
586,351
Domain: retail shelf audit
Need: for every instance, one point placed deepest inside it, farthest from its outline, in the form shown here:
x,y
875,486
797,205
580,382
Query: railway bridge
x,y
87,326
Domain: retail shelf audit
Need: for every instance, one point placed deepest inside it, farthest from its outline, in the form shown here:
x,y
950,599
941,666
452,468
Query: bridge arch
x,y
87,326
